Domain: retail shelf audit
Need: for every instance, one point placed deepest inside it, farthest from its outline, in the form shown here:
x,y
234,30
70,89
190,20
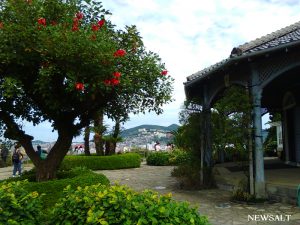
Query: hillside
x,y
134,130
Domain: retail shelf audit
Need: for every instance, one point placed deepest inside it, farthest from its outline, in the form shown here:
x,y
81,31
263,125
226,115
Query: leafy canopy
x,y
62,61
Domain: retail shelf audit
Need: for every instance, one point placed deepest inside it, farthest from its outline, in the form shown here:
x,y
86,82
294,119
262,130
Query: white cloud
x,y
191,35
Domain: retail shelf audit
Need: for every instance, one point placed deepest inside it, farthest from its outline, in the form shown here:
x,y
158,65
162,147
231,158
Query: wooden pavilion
x,y
270,67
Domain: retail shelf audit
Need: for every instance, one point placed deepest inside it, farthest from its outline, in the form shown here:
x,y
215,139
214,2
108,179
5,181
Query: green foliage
x,y
188,135
53,190
18,206
188,176
161,158
270,143
120,205
230,121
241,194
59,68
188,170
94,162
158,159
244,196
178,157
52,58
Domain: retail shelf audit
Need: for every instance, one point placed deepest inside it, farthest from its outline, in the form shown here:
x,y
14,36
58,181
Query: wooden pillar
x,y
258,143
207,130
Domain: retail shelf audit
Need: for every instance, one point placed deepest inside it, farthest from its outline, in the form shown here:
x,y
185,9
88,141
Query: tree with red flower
x,y
70,91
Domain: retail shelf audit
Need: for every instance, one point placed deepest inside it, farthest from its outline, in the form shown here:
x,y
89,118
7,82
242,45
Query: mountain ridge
x,y
134,130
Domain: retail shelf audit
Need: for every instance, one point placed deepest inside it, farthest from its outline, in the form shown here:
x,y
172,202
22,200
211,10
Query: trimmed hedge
x,y
53,189
161,158
121,205
94,162
158,159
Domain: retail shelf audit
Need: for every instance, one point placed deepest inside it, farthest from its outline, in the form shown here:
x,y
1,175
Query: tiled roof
x,y
281,37
206,70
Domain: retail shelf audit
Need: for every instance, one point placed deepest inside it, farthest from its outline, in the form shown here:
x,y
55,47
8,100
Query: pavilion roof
x,y
279,39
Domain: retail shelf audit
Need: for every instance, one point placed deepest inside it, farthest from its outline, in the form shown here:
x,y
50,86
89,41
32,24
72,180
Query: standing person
x,y
169,147
157,146
17,157
39,150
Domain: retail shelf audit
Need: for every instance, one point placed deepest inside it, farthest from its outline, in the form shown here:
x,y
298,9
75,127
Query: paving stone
x,y
296,216
148,177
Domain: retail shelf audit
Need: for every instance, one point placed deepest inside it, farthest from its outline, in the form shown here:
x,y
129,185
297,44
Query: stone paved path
x,y
158,178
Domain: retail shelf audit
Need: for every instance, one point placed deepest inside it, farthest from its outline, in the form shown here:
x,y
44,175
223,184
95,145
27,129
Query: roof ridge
x,y
266,38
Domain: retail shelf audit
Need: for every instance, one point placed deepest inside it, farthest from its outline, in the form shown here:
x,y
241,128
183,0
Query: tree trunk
x,y
110,148
87,141
115,135
46,169
99,129
98,144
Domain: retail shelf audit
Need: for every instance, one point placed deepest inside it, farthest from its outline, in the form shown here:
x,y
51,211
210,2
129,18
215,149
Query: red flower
x,y
75,28
79,15
120,53
107,82
101,23
75,24
75,21
115,81
42,21
164,72
117,74
95,27
1,25
79,86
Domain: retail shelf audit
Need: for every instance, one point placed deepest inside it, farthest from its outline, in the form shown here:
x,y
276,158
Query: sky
x,y
189,36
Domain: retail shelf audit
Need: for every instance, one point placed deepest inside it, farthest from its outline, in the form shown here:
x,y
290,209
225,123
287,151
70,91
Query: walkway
x,y
213,203
6,172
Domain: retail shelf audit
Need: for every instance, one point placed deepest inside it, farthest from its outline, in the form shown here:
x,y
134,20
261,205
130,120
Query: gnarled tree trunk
x,y
46,169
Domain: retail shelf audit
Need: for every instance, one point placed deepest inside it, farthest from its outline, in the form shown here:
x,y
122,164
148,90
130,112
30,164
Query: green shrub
x,y
130,160
158,159
188,176
178,157
53,189
18,206
241,195
120,205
